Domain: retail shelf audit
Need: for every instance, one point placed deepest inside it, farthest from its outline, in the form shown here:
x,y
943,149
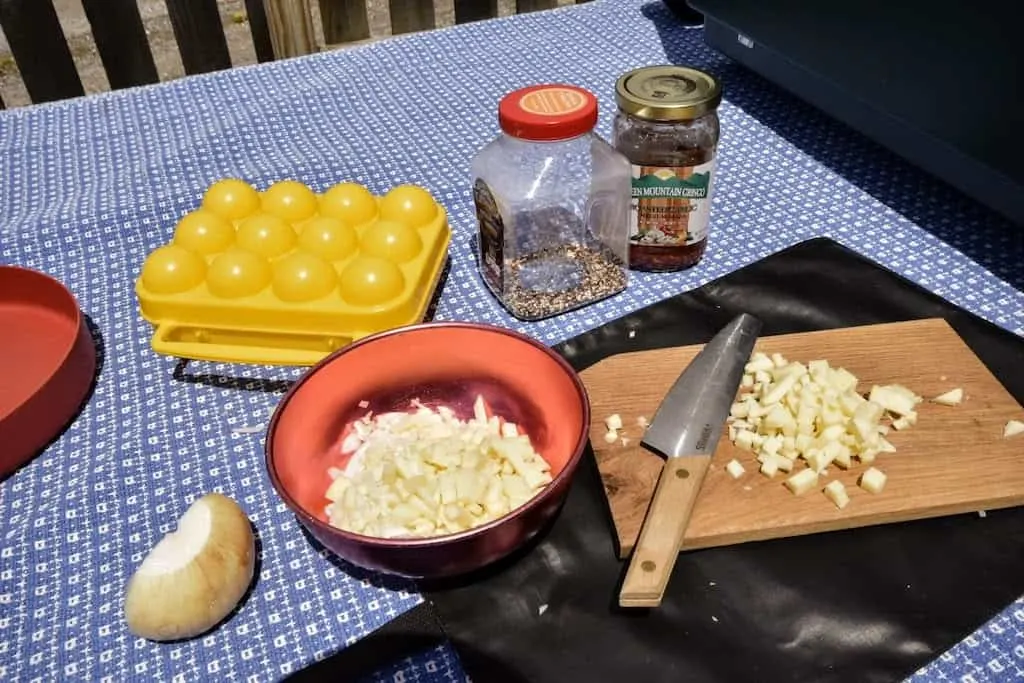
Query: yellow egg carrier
x,y
286,276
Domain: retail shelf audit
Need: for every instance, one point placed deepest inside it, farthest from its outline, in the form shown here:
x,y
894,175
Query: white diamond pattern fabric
x,y
89,187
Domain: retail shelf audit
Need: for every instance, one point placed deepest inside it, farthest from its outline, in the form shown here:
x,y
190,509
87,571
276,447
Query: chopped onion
x,y
195,575
1013,428
426,472
788,413
735,469
802,482
836,492
873,480
953,397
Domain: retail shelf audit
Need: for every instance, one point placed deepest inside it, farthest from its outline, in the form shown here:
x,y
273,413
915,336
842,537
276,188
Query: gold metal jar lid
x,y
667,93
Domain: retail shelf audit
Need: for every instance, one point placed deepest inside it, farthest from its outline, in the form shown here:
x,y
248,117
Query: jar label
x,y
491,241
670,206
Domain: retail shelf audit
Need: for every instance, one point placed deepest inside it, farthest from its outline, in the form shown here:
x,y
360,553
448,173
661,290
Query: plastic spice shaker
x,y
667,126
552,202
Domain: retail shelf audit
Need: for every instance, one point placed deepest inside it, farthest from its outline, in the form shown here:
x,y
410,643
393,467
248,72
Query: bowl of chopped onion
x,y
431,450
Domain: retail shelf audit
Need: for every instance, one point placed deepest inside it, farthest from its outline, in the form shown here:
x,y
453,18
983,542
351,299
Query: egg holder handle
x,y
234,345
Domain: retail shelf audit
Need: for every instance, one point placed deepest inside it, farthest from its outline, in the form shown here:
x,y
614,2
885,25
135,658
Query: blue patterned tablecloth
x,y
88,187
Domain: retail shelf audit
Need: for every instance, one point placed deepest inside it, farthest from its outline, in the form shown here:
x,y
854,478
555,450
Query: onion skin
x,y
196,597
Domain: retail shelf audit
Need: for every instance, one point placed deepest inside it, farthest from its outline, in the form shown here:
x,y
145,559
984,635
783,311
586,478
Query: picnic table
x,y
89,186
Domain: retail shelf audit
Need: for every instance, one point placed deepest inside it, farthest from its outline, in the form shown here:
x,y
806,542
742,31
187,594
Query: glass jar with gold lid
x,y
667,126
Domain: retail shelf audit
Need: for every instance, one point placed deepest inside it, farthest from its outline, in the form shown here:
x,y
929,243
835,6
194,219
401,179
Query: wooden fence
x,y
279,28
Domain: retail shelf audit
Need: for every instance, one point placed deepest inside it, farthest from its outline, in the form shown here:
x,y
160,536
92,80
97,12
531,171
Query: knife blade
x,y
685,430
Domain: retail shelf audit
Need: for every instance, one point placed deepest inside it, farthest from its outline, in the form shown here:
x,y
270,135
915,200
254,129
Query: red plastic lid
x,y
548,112
47,363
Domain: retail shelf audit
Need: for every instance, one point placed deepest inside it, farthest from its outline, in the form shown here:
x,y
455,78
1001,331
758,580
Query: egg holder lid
x,y
287,276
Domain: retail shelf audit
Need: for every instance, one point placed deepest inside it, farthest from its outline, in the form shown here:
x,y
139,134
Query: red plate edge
x,y
47,363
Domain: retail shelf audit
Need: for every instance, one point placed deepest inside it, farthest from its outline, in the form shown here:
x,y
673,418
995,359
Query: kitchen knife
x,y
685,429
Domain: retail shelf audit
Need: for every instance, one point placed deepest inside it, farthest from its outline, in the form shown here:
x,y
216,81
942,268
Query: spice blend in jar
x,y
552,202
667,126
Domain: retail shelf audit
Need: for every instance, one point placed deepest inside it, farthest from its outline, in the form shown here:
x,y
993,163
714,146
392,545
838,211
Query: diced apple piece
x,y
818,368
843,380
843,459
802,482
772,445
815,413
905,421
795,368
613,422
759,362
735,469
337,488
757,410
779,418
819,459
469,485
850,401
865,419
806,417
867,457
953,397
740,409
836,492
1013,428
745,439
895,398
873,480
480,409
779,389
832,432
836,449
611,437
446,485
811,395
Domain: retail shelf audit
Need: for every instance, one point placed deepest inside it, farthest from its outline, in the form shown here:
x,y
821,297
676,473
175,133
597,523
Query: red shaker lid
x,y
548,112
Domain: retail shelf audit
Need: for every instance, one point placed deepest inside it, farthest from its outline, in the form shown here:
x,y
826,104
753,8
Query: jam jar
x,y
667,126
552,204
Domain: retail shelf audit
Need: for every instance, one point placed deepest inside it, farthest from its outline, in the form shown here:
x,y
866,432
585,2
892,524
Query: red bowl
x,y
439,364
47,363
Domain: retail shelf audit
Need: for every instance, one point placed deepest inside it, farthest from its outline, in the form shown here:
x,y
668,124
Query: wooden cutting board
x,y
955,460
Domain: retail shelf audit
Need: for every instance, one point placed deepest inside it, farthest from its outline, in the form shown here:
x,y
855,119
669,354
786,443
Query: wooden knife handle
x,y
662,533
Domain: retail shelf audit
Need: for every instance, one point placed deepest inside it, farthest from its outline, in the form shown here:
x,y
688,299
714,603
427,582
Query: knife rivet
x,y
682,473
648,566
